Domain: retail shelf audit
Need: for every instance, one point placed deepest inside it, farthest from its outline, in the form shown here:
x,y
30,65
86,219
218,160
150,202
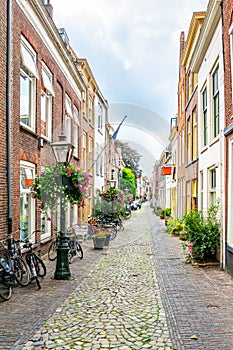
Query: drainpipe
x,y
8,116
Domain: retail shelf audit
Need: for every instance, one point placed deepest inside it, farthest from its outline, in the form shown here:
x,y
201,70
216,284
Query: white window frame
x,y
212,187
68,105
100,116
76,131
47,94
204,116
29,73
30,169
214,97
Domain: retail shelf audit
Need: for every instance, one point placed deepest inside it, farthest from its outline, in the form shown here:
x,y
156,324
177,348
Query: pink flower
x,y
48,219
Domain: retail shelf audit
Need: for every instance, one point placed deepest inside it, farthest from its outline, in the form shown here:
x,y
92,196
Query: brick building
x,y
227,21
51,92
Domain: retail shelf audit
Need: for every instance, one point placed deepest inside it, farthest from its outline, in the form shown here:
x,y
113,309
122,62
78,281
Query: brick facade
x,y
227,11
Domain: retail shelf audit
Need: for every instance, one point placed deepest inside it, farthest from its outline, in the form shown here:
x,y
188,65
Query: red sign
x,y
166,170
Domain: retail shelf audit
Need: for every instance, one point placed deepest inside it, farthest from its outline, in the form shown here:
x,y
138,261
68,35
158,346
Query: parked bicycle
x,y
6,275
35,263
13,269
75,248
13,257
96,224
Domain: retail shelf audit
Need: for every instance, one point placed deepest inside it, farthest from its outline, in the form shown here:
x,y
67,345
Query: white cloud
x,y
132,46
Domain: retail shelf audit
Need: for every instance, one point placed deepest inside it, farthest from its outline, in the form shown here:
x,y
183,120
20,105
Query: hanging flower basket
x,y
60,183
166,170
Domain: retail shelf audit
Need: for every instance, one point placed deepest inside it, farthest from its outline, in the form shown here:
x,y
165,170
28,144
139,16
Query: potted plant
x,y
99,239
202,235
60,183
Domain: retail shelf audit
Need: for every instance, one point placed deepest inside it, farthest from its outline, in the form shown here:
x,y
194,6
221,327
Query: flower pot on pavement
x,y
107,239
98,242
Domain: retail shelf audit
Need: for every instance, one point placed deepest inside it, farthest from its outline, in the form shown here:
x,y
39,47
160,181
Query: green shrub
x,y
203,233
175,227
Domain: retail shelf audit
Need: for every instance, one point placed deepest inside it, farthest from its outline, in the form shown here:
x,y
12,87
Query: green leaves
x,y
203,232
60,184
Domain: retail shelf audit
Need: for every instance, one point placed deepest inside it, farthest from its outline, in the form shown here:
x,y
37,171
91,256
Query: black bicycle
x,y
35,263
13,257
75,248
6,276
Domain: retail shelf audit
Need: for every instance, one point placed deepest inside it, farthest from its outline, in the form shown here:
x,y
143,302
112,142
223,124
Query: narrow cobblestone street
x,y
136,294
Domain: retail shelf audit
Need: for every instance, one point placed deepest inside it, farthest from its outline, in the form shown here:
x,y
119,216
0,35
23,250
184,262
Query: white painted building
x,y
101,120
208,63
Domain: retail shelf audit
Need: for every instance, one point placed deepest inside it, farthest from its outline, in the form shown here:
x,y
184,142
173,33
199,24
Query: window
x,y
189,141
212,186
27,204
100,116
68,118
201,191
97,166
84,103
84,151
194,194
47,93
28,76
90,111
194,134
45,226
215,103
76,132
90,155
204,117
188,196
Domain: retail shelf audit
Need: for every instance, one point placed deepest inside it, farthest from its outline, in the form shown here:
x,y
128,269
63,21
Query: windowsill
x,y
216,139
27,128
100,131
204,149
91,125
46,239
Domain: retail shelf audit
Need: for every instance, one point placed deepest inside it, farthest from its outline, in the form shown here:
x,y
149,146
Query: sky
x,y
132,48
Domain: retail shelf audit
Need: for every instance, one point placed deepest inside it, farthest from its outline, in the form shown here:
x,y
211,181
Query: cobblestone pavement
x,y
136,294
117,307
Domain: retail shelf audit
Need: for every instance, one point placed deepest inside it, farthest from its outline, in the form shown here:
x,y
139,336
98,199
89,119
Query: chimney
x,y
49,7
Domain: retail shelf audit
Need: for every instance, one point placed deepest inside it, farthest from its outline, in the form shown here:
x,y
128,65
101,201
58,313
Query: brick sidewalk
x,y
198,301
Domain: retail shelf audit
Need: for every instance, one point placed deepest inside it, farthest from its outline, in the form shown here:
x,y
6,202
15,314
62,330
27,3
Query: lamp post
x,y
63,153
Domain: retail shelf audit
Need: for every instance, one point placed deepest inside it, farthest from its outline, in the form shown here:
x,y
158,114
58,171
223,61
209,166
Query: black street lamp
x,y
63,153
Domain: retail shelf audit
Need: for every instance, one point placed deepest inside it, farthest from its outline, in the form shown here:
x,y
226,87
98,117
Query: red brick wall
x,y
3,149
25,143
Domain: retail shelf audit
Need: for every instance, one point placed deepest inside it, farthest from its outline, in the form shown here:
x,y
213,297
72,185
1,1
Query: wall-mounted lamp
x,y
40,142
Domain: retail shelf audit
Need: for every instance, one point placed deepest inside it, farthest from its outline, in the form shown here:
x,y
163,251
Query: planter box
x,y
98,242
107,240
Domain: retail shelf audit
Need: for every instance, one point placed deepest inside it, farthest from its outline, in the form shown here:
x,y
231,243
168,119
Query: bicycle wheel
x,y
113,231
5,291
38,283
21,271
40,266
79,250
52,253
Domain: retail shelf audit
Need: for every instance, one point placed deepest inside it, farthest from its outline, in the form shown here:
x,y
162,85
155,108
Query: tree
x,y
127,183
130,157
